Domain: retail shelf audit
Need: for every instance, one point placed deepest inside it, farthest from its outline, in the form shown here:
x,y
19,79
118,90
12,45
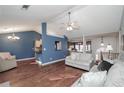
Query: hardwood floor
x,y
29,74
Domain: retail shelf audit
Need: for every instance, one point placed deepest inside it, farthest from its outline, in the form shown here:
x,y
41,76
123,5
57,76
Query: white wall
x,y
113,40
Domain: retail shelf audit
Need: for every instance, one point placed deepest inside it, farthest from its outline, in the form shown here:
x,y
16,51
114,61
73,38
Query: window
x,y
81,48
58,45
88,47
78,46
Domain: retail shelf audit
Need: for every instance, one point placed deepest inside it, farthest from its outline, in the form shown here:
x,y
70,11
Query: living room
x,y
42,49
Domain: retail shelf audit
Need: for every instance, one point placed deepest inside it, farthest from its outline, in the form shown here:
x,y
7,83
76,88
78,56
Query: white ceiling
x,y
92,20
13,18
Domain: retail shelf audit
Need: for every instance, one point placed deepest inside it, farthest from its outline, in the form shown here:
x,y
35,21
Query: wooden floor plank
x,y
29,74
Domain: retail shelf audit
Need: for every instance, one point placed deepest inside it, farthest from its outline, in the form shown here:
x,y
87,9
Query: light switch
x,y
44,49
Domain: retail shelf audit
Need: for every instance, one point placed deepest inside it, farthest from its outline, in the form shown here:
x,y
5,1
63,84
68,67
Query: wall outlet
x,y
51,58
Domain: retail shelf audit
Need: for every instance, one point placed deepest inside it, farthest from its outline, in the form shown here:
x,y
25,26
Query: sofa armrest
x,y
1,59
94,69
13,57
76,83
68,57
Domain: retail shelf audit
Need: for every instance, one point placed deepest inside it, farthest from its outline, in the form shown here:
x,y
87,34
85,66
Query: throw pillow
x,y
104,65
93,79
5,56
73,56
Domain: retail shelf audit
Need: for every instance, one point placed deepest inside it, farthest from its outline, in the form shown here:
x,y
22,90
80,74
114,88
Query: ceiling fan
x,y
25,7
69,26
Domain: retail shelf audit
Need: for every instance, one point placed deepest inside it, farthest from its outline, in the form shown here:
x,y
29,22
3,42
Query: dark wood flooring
x,y
29,74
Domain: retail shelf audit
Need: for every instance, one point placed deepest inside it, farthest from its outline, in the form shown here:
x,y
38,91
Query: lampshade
x,y
109,47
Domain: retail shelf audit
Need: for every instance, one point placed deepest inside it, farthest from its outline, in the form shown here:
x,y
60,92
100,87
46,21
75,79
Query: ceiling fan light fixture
x,y
25,7
69,25
69,28
13,37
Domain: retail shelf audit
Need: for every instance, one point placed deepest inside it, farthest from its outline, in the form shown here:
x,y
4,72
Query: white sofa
x,y
80,60
77,82
7,61
114,77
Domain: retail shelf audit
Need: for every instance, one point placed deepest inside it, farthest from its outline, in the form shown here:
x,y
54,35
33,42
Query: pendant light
x,y
69,25
102,43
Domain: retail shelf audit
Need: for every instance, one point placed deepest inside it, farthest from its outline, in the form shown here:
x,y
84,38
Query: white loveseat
x,y
80,60
7,61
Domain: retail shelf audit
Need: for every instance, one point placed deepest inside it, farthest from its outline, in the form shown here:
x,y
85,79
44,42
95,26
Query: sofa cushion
x,y
104,65
85,56
73,56
115,77
5,55
93,79
83,62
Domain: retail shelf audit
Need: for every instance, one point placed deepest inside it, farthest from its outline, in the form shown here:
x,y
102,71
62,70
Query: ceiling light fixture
x,y
69,25
13,37
102,43
25,7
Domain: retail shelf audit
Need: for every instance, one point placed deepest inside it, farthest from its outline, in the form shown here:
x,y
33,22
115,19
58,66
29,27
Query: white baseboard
x,y
39,62
51,62
24,59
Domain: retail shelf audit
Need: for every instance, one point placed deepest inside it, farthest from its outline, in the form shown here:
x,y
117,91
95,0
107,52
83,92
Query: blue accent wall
x,y
22,48
49,52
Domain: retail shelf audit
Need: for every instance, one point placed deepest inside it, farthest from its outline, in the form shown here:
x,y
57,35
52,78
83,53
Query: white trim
x,y
39,62
24,59
51,62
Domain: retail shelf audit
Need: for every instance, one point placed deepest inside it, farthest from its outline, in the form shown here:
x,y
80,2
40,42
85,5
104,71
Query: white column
x,y
120,47
84,44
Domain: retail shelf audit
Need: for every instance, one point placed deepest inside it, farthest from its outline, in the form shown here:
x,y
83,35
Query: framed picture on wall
x,y
58,45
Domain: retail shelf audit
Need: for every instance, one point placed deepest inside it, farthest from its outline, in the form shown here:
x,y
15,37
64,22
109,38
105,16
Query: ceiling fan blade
x,y
76,28
64,24
62,28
